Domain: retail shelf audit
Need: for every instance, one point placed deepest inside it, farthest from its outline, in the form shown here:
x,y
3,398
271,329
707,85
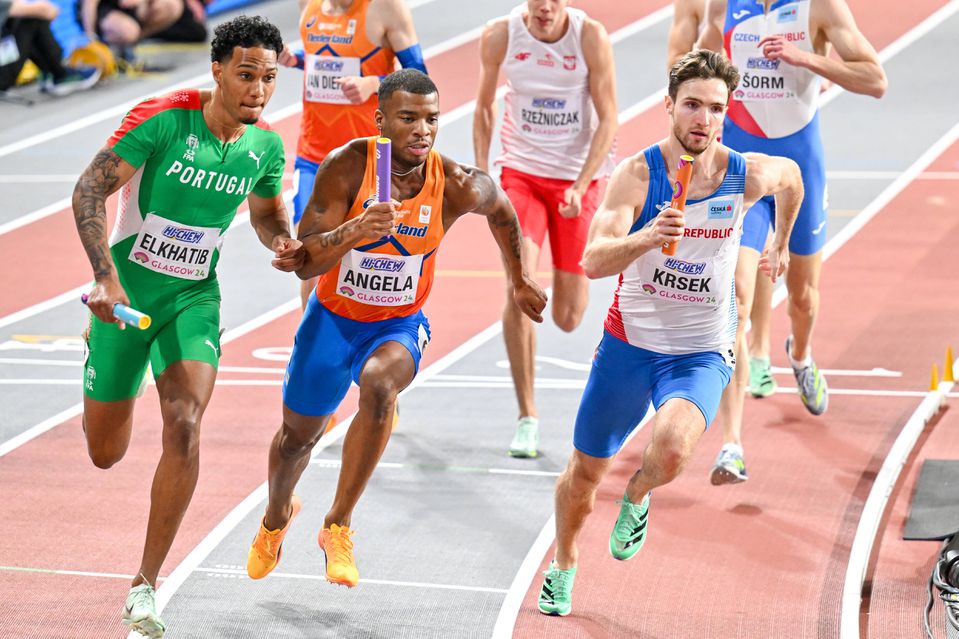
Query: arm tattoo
x,y
89,208
506,217
333,238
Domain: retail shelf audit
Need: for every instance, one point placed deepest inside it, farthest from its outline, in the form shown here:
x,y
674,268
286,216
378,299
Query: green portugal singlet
x,y
168,232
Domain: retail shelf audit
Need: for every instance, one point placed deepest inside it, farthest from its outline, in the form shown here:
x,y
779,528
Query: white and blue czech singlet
x,y
684,303
775,110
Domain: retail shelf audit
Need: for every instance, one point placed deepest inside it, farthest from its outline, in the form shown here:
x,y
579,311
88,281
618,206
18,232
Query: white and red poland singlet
x,y
684,303
549,119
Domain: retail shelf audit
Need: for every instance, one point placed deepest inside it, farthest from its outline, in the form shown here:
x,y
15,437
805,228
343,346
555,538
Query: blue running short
x,y
623,380
329,351
304,174
805,148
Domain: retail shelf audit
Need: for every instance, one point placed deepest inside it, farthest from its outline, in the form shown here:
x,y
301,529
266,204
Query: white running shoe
x,y
140,612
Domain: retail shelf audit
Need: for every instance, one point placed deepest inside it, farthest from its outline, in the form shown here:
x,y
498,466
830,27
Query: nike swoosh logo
x,y
819,228
740,14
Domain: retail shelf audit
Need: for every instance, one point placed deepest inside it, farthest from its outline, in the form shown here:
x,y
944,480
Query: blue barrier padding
x,y
219,6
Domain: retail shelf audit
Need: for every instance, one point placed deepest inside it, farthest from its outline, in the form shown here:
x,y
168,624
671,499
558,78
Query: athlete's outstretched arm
x,y
103,177
858,69
780,177
687,14
611,247
492,51
271,222
325,235
469,190
711,37
598,52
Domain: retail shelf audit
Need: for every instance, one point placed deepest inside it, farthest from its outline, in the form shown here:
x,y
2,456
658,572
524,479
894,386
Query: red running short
x,y
537,201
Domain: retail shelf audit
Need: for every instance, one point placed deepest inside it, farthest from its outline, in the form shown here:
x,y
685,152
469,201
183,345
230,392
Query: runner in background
x,y
782,51
348,45
560,122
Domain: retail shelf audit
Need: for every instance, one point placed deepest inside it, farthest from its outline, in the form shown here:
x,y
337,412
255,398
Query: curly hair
x,y
702,65
244,31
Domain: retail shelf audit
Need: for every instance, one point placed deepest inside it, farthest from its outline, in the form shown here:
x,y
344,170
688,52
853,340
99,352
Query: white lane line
x,y
39,429
73,573
439,468
889,175
505,385
235,572
33,178
40,307
901,43
872,511
61,417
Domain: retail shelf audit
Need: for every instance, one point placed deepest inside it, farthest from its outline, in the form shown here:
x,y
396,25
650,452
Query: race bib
x,y
175,249
9,53
323,73
379,280
763,81
681,281
549,117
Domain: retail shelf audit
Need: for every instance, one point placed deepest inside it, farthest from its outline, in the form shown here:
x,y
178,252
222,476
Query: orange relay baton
x,y
683,172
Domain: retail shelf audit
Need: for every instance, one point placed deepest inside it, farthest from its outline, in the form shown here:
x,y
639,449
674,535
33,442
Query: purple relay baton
x,y
383,157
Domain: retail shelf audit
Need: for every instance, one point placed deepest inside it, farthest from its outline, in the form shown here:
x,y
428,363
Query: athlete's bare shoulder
x,y
467,188
635,168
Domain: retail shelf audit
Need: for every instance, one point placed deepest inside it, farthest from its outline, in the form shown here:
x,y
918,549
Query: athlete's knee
x,y
567,318
378,394
104,453
181,436
803,299
581,479
164,13
673,453
295,442
105,456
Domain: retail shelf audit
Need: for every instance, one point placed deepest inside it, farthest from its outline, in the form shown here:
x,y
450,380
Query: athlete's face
x,y
547,18
410,120
246,82
698,112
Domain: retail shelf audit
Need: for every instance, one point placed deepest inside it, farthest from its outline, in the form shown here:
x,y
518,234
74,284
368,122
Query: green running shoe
x,y
761,380
526,438
140,612
813,390
556,596
629,533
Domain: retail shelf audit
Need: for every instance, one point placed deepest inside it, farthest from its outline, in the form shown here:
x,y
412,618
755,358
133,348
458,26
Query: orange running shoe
x,y
268,546
338,547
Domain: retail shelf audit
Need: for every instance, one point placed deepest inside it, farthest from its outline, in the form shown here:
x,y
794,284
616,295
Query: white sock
x,y
801,363
734,448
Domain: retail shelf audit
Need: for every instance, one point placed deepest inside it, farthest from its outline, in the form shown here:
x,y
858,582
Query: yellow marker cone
x,y
947,374
934,384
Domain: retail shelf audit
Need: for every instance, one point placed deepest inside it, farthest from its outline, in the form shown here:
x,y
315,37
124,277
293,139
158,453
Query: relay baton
x,y
383,157
127,315
683,172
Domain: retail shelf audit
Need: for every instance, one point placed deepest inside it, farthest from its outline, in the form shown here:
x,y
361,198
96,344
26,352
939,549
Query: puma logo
x,y
254,157
213,346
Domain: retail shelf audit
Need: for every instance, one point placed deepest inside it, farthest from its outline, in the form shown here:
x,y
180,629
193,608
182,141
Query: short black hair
x,y
408,80
244,31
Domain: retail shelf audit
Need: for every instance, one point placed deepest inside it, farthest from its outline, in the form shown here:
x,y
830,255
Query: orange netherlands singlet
x,y
390,277
336,46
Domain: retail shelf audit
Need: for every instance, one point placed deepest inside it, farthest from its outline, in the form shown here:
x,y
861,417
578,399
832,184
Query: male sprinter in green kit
x,y
185,162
